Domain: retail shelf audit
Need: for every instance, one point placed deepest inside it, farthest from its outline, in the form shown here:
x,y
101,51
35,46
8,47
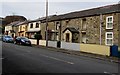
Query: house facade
x,y
52,29
33,27
10,29
22,28
93,26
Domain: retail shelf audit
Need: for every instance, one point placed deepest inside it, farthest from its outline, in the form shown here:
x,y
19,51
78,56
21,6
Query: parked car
x,y
22,41
7,38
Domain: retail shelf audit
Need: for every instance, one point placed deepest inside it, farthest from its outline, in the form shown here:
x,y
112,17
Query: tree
x,y
38,37
13,18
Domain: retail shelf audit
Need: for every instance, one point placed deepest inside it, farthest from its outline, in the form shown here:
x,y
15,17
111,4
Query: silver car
x,y
7,38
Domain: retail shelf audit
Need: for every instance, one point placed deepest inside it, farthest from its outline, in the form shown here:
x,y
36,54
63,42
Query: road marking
x,y
57,59
108,73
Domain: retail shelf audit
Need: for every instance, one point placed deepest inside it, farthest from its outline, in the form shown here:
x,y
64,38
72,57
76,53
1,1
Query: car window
x,y
18,38
24,38
8,37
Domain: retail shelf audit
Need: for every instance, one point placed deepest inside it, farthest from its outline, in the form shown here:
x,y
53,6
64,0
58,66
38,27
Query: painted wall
x,y
89,48
34,27
95,49
52,44
42,42
8,28
70,46
33,41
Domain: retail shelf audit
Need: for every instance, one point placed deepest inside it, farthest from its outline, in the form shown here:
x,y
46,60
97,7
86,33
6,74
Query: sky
x,y
33,9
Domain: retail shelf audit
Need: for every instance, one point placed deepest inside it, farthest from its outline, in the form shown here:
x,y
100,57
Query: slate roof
x,y
90,12
13,23
71,29
21,23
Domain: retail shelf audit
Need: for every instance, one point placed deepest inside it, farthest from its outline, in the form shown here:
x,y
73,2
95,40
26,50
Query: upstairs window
x,y
31,25
57,25
109,22
37,25
109,38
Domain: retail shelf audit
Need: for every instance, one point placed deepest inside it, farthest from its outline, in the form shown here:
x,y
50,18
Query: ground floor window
x,y
109,38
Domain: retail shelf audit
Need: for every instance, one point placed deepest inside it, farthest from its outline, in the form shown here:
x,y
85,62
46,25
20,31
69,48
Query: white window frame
x,y
109,22
57,25
108,38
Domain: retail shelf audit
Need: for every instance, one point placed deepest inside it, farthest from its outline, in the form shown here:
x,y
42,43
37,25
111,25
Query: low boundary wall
x,y
70,46
95,49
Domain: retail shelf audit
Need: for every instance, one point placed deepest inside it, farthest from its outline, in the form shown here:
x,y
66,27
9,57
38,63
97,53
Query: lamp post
x,y
46,23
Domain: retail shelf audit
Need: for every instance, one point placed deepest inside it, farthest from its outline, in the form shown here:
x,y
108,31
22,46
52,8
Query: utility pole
x,y
100,28
46,23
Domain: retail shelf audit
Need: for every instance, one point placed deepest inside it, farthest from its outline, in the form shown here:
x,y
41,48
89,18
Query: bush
x,y
38,36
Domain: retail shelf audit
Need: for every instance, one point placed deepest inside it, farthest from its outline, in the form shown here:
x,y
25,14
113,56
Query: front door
x,y
67,37
84,38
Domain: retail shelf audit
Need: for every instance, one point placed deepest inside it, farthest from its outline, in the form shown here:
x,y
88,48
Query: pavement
x,y
95,56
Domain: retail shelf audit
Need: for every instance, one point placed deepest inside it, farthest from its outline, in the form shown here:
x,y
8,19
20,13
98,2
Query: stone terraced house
x,y
93,26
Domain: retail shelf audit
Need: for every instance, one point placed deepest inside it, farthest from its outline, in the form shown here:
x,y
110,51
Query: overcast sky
x,y
36,8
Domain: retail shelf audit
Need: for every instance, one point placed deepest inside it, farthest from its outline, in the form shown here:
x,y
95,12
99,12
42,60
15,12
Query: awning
x,y
71,29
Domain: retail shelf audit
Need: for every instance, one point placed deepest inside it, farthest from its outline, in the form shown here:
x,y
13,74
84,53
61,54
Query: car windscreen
x,y
8,37
23,38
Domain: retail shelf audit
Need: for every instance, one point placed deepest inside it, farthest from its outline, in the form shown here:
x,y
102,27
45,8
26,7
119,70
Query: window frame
x,y
109,22
37,26
106,38
57,24
31,26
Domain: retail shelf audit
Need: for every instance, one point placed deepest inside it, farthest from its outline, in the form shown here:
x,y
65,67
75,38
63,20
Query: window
x,y
37,25
109,22
109,38
20,28
57,25
31,25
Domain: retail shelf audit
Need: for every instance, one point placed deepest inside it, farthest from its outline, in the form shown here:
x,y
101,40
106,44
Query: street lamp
x,y
46,23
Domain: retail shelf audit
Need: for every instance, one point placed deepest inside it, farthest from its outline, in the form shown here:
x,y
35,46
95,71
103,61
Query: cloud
x,y
33,10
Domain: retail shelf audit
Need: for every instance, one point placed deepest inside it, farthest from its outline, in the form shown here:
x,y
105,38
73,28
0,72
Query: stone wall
x,y
92,28
119,29
92,31
51,26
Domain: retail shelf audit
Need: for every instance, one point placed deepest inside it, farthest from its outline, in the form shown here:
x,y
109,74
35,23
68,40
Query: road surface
x,y
25,59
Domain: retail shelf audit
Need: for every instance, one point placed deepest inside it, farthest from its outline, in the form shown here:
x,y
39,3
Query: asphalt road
x,y
24,59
